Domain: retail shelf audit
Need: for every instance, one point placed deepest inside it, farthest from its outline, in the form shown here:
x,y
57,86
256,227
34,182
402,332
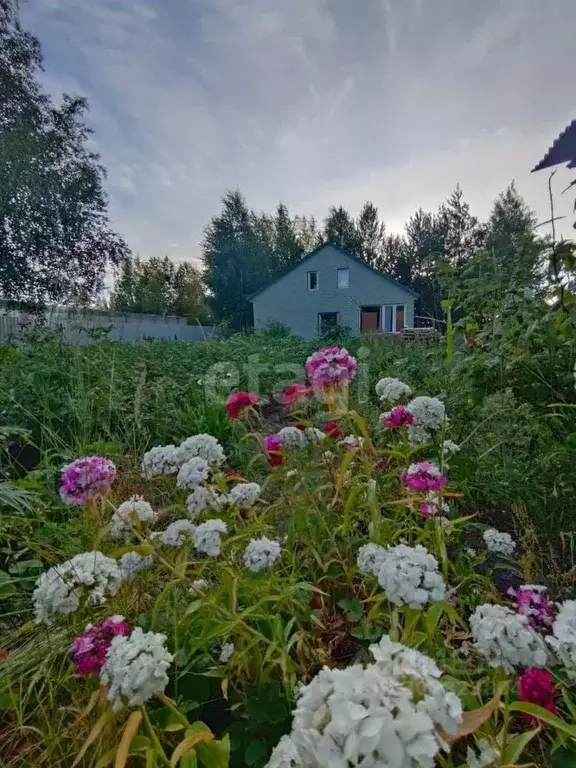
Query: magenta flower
x,y
330,367
86,479
294,393
90,649
536,686
273,446
424,476
398,417
239,402
533,602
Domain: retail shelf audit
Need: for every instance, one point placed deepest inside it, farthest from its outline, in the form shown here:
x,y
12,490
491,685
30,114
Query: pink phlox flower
x,y
424,476
86,479
238,402
294,393
536,686
533,602
89,651
398,417
273,446
330,367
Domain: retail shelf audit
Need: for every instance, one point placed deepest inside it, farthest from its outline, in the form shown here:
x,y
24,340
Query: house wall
x,y
289,301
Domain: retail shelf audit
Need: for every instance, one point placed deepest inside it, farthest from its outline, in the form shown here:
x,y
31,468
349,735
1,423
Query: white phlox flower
x,y
370,559
499,542
506,639
483,756
198,586
207,537
204,446
410,576
563,637
386,714
418,435
351,442
226,652
192,473
391,390
136,668
196,501
178,533
313,435
260,554
88,578
132,512
428,412
132,563
244,495
216,501
448,446
292,437
160,460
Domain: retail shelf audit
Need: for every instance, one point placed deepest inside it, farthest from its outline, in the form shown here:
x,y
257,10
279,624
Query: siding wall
x,y
289,301
128,326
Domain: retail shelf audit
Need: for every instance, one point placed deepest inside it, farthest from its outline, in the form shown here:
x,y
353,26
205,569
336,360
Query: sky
x,y
313,103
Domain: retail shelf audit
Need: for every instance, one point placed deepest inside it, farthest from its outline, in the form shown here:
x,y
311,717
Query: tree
x,y
371,235
55,240
159,287
463,233
287,249
307,233
340,228
425,237
236,258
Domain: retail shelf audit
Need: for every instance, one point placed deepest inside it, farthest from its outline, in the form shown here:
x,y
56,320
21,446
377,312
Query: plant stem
x,y
153,738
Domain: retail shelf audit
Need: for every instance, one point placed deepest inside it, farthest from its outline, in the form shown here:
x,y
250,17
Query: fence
x,y
77,324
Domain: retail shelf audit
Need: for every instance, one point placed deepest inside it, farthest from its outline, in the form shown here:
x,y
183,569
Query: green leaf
x,y
7,588
544,715
353,608
517,745
563,758
255,751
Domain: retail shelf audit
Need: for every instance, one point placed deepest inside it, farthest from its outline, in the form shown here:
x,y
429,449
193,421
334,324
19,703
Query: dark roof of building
x,y
562,151
346,253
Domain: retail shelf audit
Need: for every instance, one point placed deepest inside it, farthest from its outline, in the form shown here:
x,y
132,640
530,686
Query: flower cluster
x,y
536,686
391,390
196,501
89,577
433,505
86,479
192,473
370,559
178,533
388,713
398,417
273,447
226,652
132,512
506,639
135,668
244,495
89,651
429,414
207,537
239,402
424,476
330,367
332,430
533,602
158,461
410,576
563,638
292,437
261,554
295,393
132,563
498,542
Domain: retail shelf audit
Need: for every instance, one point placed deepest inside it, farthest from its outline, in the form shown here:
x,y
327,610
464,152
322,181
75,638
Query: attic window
x,y
343,278
313,281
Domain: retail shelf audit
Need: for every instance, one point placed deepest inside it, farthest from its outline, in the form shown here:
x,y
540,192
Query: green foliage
x,y
55,240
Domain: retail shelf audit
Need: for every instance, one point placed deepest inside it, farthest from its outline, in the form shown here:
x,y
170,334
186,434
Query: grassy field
x,y
514,424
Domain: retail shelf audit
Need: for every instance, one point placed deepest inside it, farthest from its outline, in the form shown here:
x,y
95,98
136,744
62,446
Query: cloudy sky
x,y
312,102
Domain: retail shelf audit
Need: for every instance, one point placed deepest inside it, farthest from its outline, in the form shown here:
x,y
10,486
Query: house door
x,y
370,319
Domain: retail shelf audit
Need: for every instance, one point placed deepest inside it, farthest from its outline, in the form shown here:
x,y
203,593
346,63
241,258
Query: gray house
x,y
330,286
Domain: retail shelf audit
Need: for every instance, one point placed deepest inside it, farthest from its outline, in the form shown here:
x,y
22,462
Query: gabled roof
x,y
346,252
562,151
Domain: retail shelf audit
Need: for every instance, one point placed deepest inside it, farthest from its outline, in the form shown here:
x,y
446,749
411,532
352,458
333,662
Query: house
x,y
330,287
563,150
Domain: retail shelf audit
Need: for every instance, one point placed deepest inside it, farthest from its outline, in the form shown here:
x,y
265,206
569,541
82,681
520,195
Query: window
x,y
343,278
327,321
393,318
313,281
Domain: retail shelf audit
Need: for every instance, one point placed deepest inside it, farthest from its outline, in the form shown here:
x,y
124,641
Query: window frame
x,y
338,271
312,272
